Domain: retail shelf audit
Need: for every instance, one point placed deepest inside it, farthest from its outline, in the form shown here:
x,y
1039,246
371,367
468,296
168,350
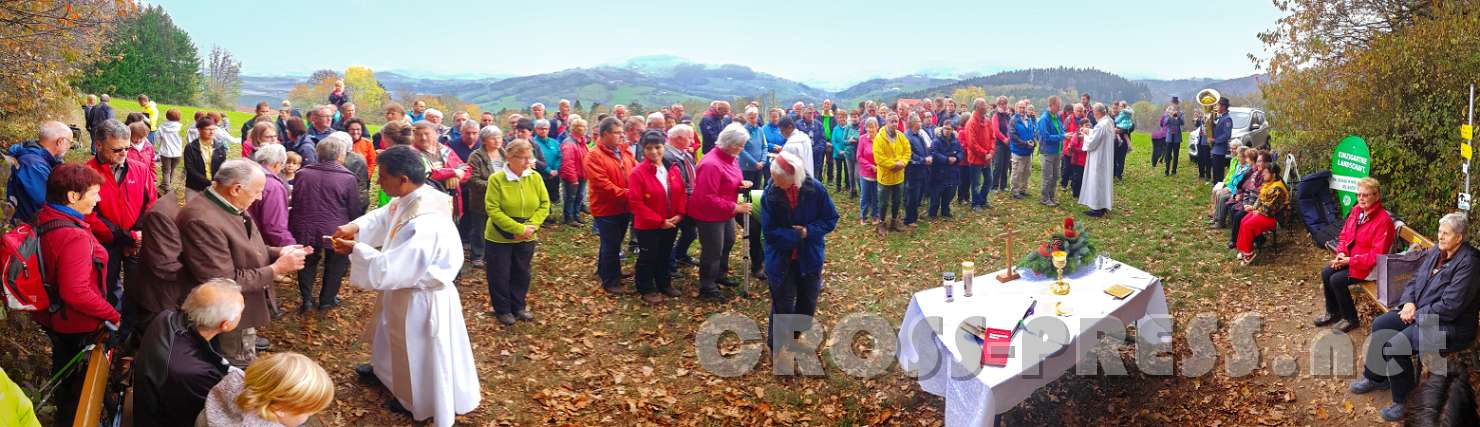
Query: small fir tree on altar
x,y
1073,240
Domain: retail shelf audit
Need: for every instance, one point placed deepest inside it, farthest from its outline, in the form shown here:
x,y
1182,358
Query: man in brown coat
x,y
224,243
155,286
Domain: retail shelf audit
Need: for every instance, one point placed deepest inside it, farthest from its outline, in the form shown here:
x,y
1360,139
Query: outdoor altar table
x,y
975,400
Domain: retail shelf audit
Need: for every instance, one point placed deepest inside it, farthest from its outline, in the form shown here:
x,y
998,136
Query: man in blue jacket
x,y
1051,146
715,119
1222,133
321,126
33,163
1021,142
809,125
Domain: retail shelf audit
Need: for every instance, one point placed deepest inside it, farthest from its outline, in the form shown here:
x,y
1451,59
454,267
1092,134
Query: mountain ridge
x,y
663,79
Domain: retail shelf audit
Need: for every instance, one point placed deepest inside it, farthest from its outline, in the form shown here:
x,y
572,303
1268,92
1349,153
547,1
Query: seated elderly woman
x,y
1223,190
1368,233
796,215
1245,192
1437,312
1262,213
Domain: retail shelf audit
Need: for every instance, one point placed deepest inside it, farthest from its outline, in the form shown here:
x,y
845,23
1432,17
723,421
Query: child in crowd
x,y
290,171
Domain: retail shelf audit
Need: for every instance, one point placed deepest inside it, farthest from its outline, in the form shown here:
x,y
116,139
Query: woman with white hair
x,y
1437,309
796,214
483,163
715,202
270,211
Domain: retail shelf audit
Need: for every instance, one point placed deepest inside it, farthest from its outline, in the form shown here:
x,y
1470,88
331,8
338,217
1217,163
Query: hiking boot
x,y
1393,413
524,315
713,296
507,319
1364,386
1345,325
366,373
1324,320
673,292
727,282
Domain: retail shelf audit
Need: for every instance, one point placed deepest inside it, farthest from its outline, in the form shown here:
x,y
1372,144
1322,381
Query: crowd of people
x,y
192,283
301,195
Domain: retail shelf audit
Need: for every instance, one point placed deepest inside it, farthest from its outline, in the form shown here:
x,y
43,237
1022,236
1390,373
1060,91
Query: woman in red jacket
x,y
1368,233
74,260
658,201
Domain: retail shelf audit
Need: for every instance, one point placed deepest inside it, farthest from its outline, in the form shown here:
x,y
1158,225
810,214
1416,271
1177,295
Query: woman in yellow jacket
x,y
517,204
891,153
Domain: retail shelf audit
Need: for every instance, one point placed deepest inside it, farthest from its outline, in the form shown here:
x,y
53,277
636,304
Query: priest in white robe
x,y
1099,164
798,143
409,251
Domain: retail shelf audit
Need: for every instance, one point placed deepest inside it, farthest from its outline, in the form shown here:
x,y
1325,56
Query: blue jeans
x,y
612,230
963,188
571,196
940,199
868,203
983,186
916,182
1406,375
687,232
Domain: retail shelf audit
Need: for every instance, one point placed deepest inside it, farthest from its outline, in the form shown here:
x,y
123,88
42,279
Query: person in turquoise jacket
x,y
771,133
844,138
548,164
1125,123
1051,147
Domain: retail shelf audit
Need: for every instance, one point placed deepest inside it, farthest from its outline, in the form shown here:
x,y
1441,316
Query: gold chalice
x,y
1060,259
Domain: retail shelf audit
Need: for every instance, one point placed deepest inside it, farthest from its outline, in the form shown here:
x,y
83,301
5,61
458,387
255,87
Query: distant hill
x,y
665,79
1039,83
1164,90
647,85
889,88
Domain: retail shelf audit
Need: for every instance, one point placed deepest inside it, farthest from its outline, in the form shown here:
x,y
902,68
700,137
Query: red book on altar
x,y
997,329
996,347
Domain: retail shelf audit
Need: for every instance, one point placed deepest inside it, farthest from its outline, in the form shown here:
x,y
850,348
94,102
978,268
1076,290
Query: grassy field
x,y
121,109
592,359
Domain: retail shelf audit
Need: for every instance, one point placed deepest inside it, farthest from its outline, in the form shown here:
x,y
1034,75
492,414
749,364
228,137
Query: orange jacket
x,y
978,139
606,175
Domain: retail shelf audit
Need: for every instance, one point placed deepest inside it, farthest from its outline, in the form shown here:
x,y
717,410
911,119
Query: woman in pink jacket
x,y
868,204
713,206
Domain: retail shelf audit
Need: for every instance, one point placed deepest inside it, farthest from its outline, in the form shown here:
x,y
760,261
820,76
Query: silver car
x,y
1249,130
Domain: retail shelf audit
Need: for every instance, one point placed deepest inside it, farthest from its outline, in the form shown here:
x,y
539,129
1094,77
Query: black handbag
x,y
506,234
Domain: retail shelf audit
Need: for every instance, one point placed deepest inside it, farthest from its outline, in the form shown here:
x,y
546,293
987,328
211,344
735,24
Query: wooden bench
x,y
1415,240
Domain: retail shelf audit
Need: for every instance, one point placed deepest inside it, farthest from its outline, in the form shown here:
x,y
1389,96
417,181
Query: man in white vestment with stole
x,y
409,250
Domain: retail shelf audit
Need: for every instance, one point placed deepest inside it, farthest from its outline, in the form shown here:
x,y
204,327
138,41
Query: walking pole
x,y
744,288
1467,132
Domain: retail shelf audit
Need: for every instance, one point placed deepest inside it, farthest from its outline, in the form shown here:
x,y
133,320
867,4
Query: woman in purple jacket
x,y
325,195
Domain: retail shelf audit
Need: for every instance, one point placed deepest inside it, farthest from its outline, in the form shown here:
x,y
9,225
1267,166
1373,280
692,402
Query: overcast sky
x,y
830,43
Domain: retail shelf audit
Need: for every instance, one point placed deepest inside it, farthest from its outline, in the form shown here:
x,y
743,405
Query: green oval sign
x,y
1350,162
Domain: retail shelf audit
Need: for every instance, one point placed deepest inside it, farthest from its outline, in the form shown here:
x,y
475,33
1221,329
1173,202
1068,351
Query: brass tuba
x,y
1208,99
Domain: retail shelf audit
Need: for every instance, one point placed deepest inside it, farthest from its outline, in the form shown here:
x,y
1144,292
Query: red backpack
x,y
24,281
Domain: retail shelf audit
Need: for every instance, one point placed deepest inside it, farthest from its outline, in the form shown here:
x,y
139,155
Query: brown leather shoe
x,y
652,298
